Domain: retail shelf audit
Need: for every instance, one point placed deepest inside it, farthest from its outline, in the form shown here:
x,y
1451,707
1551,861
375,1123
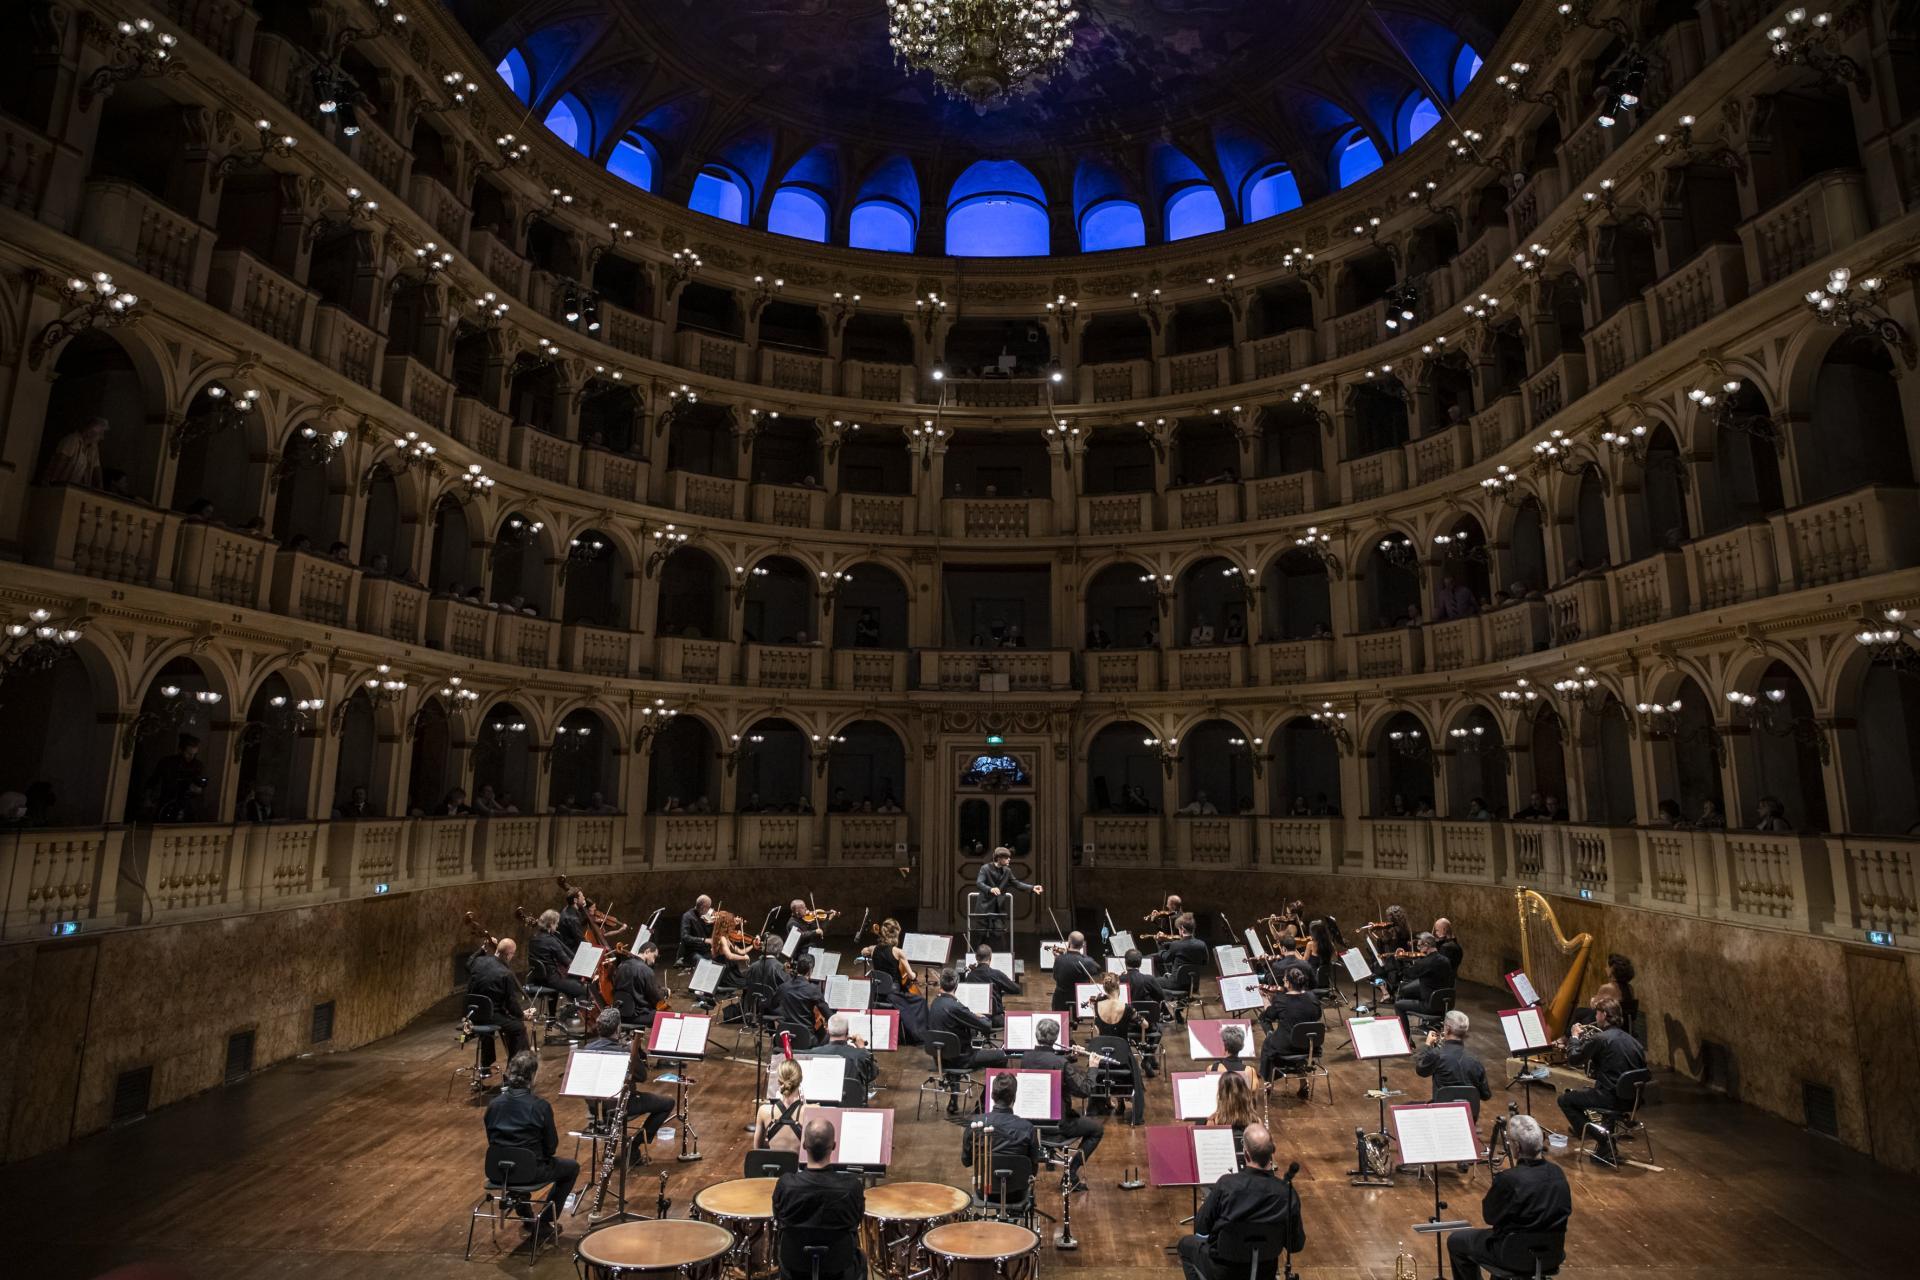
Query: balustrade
x,y
218,563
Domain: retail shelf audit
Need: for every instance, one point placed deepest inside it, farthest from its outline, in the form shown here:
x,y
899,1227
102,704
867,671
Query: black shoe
x,y
1078,1185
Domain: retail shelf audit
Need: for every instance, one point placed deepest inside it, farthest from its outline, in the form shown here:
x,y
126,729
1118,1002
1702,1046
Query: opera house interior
x,y
1321,597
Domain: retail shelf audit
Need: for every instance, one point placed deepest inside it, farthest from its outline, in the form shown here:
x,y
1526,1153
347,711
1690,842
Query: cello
x,y
602,984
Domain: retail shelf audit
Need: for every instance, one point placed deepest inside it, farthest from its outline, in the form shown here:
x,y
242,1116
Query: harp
x,y
1556,963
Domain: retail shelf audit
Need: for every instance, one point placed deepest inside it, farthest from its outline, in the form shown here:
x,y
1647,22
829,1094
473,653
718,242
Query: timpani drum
x,y
666,1249
982,1251
898,1215
744,1207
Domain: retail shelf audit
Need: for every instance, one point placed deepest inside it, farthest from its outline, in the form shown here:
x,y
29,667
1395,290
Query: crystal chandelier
x,y
982,51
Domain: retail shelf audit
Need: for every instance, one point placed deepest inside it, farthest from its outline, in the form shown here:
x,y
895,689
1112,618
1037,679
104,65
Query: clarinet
x,y
614,1144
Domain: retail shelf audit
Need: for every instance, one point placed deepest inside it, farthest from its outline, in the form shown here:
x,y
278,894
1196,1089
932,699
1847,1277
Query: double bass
x,y
602,984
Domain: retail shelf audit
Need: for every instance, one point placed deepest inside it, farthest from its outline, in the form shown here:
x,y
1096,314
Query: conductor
x,y
996,883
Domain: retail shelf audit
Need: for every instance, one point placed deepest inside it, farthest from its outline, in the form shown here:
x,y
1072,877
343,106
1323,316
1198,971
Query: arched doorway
x,y
1476,764
1299,598
1788,748
1123,774
177,756
779,606
1121,609
503,760
771,759
582,764
593,578
276,750
58,705
680,770
866,769
690,597
1402,766
519,576
1305,770
870,609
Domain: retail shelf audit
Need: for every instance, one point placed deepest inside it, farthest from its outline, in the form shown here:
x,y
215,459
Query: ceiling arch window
x,y
1112,224
719,193
1194,211
633,161
1416,118
1270,191
1354,157
569,122
882,225
997,209
799,213
1466,65
519,76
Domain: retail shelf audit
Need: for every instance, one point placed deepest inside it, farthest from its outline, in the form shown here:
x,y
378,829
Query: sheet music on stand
x,y
927,948
1378,1038
821,1078
1118,964
1019,1029
793,940
1522,987
862,1136
1240,993
679,1035
1203,1036
595,1073
1525,1029
1119,942
586,960
1087,994
880,1028
1436,1133
1196,1094
1256,948
1232,960
706,977
1356,965
1049,952
642,934
825,963
1036,1094
1376,952
849,993
977,996
1003,961
1213,1154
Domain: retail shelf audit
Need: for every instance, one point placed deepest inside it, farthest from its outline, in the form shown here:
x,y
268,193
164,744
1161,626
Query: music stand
x,y
859,1131
1377,1039
600,1075
1181,1155
1526,1034
682,1038
927,952
1242,991
1354,961
1195,1094
1433,1134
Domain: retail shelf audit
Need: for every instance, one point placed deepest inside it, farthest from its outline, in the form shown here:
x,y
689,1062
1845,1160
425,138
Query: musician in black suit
x,y
1071,966
769,970
1045,1056
573,920
548,957
1254,1197
1530,1199
654,1107
696,926
1183,947
1429,972
492,976
996,884
1608,1051
1447,1060
1002,985
801,1004
1288,1008
637,990
1012,1135
946,1013
841,1043
518,1118
814,1205
812,934
1447,943
1144,990
1287,958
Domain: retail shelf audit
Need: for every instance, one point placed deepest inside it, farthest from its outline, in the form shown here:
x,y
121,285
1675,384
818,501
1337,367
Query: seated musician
x,y
1144,989
1608,1051
801,1005
996,884
1046,1056
653,1107
492,976
1392,937
776,1125
812,932
1234,1040
1251,1197
1324,947
1073,966
946,1013
887,964
1447,1059
1447,943
573,922
1428,973
1528,1202
841,1043
769,968
548,956
696,927
1011,1135
1287,958
1290,1007
637,990
730,950
1233,1105
1183,949
1002,985
517,1117
814,1205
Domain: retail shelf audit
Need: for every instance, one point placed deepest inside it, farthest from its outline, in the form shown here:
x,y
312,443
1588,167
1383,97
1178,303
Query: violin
x,y
598,921
819,915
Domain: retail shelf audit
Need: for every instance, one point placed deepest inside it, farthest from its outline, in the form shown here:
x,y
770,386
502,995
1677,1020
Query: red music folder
x,y
1181,1155
861,1135
1203,1036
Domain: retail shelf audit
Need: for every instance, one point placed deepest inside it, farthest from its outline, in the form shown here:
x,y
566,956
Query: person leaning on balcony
x,y
76,458
1711,818
1773,817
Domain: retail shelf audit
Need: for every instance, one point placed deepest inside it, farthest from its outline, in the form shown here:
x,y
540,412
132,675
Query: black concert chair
x,y
1182,986
511,1194
1009,1194
477,1013
1621,1122
1120,1085
1248,1245
1546,1248
1304,1060
814,1252
1432,1015
770,1164
759,1015
952,1083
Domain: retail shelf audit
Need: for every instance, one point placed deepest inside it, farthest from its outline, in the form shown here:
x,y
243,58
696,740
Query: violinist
x,y
696,927
1285,959
1447,943
731,948
492,976
998,983
1183,949
1166,913
810,924
803,1009
548,956
1289,1007
1393,938
1428,973
637,989
1070,968
1324,945
769,970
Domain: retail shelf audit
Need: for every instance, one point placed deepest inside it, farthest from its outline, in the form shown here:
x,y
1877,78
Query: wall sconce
x,y
1160,587
823,749
1334,724
1409,744
666,541
1167,751
1254,753
143,50
733,755
222,412
91,303
1887,645
36,646
1768,712
1856,305
175,712
654,719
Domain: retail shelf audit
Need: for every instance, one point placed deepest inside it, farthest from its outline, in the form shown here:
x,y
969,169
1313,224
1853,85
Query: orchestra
x,y
819,1206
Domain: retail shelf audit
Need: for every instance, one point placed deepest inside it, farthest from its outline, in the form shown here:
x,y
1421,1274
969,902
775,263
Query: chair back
x,y
1440,1002
514,1166
770,1164
942,1048
1254,1245
1631,1086
818,1251
1308,1039
853,1090
1459,1093
1546,1249
1009,1179
479,1010
1180,979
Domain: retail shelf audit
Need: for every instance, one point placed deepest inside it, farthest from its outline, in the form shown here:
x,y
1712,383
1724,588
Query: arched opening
x,y
276,752
1121,612
1888,737
797,326
178,757
568,121
875,460
1270,192
1305,770
1789,748
997,209
680,770
1118,460
692,593
996,348
1390,583
1299,598
997,464
433,772
532,393
1526,559
1363,280
309,503
1216,770
1403,767
1112,224
521,575
1414,120
1289,439
1205,451
1625,264
1856,417
1354,157
1476,765
1607,757
720,193
870,610
95,432
623,282
772,762
610,416
787,452
359,787
633,160
1194,211
798,212
593,578
1466,65
1746,485
1593,546
503,761
879,339
583,755
58,737
866,769
1687,753
779,603
1465,571
519,77
1280,308
1663,493
1547,758
881,225
709,308
1433,246
1451,382
215,477
1213,604
1123,774
700,440
451,570
1380,418
1199,326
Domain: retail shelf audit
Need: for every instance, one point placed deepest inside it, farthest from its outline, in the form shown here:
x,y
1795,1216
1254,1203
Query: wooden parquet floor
x,y
358,1165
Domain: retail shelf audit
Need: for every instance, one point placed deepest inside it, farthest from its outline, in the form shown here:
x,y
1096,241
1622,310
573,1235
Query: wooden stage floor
x,y
358,1165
